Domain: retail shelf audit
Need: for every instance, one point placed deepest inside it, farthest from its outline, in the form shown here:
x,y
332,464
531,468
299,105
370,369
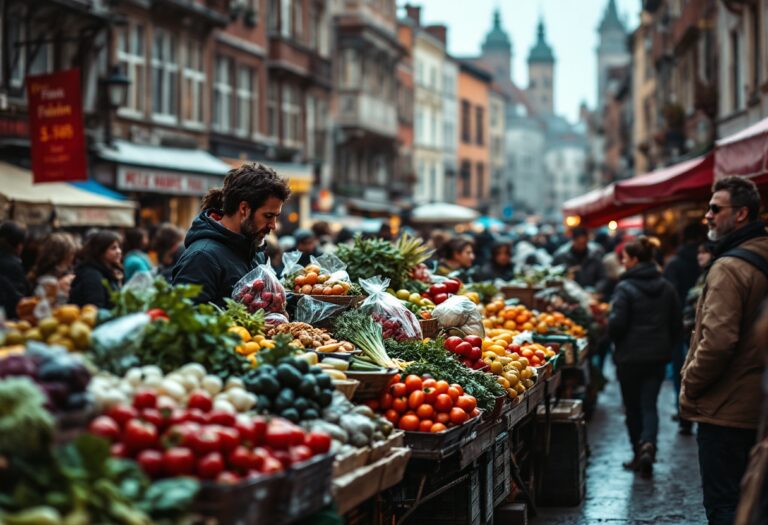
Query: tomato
x,y
430,395
463,348
425,425
240,459
395,379
458,416
475,354
398,390
229,439
219,417
474,340
118,450
151,462
105,427
258,456
139,435
385,403
259,430
452,285
373,404
181,434
409,423
437,289
152,415
121,414
319,442
416,399
452,342
442,417
201,400
428,383
227,478
279,436
438,427
392,416
474,413
196,415
210,466
400,405
157,314
444,403
454,393
425,411
466,403
178,461
440,298
205,442
300,454
442,387
146,398
412,382
271,465
283,456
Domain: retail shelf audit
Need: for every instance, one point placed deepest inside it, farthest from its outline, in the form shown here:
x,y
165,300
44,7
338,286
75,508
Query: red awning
x,y
599,207
690,179
744,153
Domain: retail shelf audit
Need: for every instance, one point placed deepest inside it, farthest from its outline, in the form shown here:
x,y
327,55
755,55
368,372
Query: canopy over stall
x,y
744,154
77,204
443,212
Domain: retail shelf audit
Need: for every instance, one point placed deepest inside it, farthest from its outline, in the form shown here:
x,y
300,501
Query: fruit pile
x,y
259,296
251,343
391,328
468,350
520,318
421,306
422,404
311,280
440,292
205,443
68,326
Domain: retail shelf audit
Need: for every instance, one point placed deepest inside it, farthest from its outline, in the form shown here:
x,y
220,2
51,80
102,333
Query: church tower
x,y
611,51
541,74
497,50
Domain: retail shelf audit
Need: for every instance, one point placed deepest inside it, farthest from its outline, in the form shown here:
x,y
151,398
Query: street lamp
x,y
115,88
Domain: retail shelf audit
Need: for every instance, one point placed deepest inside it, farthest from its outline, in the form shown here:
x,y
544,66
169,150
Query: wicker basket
x,y
523,294
347,387
429,327
372,384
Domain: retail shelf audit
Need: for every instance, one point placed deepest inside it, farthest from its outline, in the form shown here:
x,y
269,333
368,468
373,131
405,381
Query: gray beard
x,y
712,235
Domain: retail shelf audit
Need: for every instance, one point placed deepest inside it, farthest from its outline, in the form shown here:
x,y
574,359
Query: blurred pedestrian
x,y
12,238
324,235
54,267
226,239
500,265
644,325
100,261
136,258
306,243
723,371
583,259
456,258
168,245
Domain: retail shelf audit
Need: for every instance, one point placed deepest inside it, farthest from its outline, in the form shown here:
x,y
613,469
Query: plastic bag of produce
x,y
459,312
333,266
109,341
312,311
260,289
397,321
291,264
325,275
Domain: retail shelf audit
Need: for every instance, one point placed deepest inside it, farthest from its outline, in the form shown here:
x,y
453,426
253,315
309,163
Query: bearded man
x,y
722,375
225,240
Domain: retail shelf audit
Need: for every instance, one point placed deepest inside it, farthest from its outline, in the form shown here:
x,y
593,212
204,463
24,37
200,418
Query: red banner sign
x,y
56,127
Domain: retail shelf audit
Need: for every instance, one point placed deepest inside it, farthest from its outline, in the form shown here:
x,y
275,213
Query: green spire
x,y
497,39
611,19
541,52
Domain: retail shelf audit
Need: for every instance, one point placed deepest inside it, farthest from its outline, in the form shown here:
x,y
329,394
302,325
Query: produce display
x,y
395,319
469,350
311,338
68,326
440,292
421,306
499,315
312,280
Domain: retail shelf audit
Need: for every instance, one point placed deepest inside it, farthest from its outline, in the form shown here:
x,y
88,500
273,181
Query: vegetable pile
x,y
363,331
257,296
311,338
468,350
312,280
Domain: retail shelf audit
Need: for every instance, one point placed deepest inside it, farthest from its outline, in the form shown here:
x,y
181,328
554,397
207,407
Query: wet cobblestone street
x,y
616,496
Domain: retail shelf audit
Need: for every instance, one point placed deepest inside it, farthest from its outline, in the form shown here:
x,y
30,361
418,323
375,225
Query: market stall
x,y
315,391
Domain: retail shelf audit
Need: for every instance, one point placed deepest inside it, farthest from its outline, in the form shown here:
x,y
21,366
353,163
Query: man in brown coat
x,y
722,374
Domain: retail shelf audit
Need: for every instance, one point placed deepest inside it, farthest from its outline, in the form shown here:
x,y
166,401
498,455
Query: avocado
x,y
284,399
291,414
288,375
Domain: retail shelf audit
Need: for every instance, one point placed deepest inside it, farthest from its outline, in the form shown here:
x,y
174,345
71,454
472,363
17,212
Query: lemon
x,y
403,294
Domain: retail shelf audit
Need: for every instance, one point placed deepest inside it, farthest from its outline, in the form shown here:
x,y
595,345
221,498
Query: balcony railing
x,y
364,111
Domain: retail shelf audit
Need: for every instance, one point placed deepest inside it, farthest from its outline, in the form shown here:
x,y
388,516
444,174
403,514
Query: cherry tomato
x,y
416,399
122,414
210,466
425,411
425,425
409,423
400,405
438,427
105,427
151,462
466,403
444,403
398,390
442,386
458,416
139,435
201,400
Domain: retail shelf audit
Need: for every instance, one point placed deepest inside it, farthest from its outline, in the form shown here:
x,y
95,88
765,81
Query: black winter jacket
x,y
12,269
215,258
590,272
88,286
490,272
645,320
683,270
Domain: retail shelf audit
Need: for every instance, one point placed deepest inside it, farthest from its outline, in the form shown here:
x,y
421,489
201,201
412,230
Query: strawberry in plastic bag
x,y
397,322
260,289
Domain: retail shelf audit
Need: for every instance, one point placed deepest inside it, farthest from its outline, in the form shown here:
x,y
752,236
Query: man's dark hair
x,y
134,239
693,233
642,247
743,194
579,231
253,183
12,234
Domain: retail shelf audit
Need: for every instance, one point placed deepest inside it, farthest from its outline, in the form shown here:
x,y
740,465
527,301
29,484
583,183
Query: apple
x,y
451,285
440,298
475,354
474,340
452,342
436,289
463,348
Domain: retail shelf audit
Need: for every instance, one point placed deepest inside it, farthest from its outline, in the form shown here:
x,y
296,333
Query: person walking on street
x,y
101,261
644,325
500,266
12,238
225,240
723,371
584,259
136,258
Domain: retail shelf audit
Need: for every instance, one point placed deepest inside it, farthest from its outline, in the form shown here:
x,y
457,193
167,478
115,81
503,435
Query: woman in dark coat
x,y
100,262
644,325
499,267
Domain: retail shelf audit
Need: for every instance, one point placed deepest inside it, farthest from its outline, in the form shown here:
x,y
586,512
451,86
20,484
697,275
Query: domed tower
x,y
611,51
541,74
497,50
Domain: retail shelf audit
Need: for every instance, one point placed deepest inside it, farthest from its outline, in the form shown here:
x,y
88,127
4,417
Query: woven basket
x,y
347,300
429,328
347,387
372,384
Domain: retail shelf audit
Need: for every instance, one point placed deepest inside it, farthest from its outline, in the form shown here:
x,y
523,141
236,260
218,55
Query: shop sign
x,y
14,127
156,181
56,127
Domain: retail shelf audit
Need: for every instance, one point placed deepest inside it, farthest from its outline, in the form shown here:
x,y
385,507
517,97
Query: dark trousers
x,y
640,386
678,360
723,459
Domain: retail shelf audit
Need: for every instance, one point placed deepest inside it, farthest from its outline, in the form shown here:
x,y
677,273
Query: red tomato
x,y
118,450
437,289
271,465
412,383
428,383
452,285
139,435
157,314
105,427
444,403
210,466
178,461
258,456
385,403
416,399
152,415
300,454
398,390
464,349
438,427
151,462
197,416
474,340
440,298
409,423
458,416
201,400
220,417
227,478
319,442
395,379
400,405
392,416
454,393
442,387
373,404
205,442
475,413
181,434
458,387
279,437
240,459
425,425
443,417
425,411
146,398
452,342
466,403
122,414
475,354
430,395
229,439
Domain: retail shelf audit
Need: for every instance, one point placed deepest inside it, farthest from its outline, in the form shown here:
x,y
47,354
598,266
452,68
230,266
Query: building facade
x,y
450,127
500,187
473,187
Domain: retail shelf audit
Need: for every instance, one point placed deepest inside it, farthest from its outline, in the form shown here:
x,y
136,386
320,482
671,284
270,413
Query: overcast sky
x,y
571,29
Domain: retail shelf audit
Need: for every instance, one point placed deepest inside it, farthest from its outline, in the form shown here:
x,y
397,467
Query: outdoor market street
x,y
616,496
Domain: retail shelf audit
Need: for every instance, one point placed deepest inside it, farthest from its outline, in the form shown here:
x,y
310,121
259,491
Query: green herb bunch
x,y
366,258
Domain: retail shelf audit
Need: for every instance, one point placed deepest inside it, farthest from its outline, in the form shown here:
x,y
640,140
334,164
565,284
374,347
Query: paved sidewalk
x,y
616,496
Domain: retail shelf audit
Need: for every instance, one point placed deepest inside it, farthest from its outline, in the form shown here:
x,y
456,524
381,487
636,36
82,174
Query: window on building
x,y
130,54
222,95
244,111
756,55
480,174
165,74
286,13
298,21
419,126
466,179
18,33
315,20
433,129
291,115
273,101
273,16
433,183
194,84
433,77
311,125
479,126
737,78
350,68
449,136
466,122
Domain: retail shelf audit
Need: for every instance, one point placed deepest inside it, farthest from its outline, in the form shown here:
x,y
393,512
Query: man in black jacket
x,y
222,244
584,259
12,237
